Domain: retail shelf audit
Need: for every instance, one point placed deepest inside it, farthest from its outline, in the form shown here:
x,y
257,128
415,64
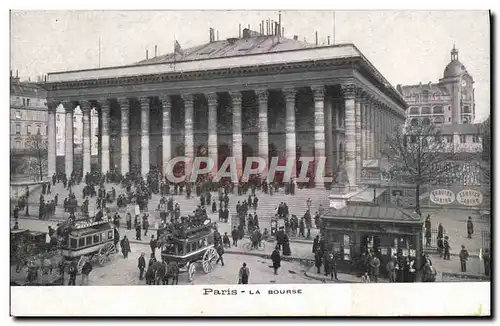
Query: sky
x,y
407,47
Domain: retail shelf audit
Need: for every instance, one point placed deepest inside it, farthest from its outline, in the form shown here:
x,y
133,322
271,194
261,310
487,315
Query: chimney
x,y
267,27
271,27
276,29
17,73
262,28
217,35
11,73
239,33
295,37
156,50
248,26
316,37
279,24
146,54
283,31
305,40
328,40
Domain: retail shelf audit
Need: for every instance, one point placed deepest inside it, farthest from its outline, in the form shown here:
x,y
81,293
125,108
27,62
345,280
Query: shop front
x,y
359,228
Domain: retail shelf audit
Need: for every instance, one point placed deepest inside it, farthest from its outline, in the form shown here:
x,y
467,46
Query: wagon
x,y
87,240
193,246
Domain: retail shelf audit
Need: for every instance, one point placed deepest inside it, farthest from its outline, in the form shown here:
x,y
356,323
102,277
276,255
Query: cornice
x,y
209,74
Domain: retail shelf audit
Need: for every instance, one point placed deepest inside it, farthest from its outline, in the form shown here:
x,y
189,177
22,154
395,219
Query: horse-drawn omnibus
x,y
184,246
86,239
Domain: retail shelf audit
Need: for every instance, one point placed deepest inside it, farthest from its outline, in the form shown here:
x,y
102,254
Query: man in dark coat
x,y
138,232
276,258
153,244
317,260
220,252
280,238
235,236
125,245
464,255
315,244
487,262
470,228
447,247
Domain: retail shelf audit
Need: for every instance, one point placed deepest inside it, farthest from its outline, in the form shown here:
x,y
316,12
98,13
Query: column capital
x,y
348,91
166,100
289,93
52,106
236,97
104,105
69,106
262,95
188,99
86,107
144,100
124,102
318,92
211,98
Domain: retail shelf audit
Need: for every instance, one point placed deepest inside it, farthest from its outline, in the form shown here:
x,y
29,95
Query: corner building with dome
x,y
450,101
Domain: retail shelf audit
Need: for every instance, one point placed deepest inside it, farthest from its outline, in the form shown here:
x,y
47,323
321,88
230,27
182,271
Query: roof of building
x,y
369,211
453,69
232,47
432,88
461,129
27,89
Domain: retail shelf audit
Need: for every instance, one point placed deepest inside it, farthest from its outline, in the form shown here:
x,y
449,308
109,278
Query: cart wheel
x,y
81,262
106,253
191,272
209,259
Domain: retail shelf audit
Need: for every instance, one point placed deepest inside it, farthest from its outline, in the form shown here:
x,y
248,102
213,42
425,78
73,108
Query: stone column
x,y
329,134
145,107
86,107
212,130
188,130
52,151
237,134
166,131
372,129
105,109
291,137
124,135
68,151
364,128
319,128
349,92
380,130
357,124
263,97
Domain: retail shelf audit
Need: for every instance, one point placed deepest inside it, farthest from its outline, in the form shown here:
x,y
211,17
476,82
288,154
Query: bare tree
x,y
36,163
417,154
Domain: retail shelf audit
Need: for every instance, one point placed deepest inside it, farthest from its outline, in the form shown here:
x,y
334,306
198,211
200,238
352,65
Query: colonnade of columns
x,y
366,122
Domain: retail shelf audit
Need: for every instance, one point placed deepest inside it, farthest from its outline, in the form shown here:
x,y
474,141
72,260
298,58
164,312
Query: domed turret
x,y
454,68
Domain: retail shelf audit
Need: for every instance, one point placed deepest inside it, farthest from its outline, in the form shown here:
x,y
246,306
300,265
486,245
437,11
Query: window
x,y
18,144
96,238
437,110
46,130
437,96
462,139
414,122
74,118
466,109
74,130
18,114
24,102
58,117
414,111
416,98
449,139
28,102
427,121
425,96
426,110
81,242
449,119
28,129
438,121
475,139
465,120
110,234
18,129
38,128
73,243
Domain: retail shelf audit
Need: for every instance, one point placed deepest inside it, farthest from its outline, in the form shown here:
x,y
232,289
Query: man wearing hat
x,y
447,247
141,265
280,237
464,255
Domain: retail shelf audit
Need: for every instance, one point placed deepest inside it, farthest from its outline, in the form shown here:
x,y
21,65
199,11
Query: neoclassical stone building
x,y
258,95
